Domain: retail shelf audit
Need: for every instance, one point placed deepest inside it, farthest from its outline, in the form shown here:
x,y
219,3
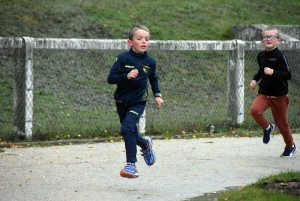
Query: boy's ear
x,y
129,42
278,41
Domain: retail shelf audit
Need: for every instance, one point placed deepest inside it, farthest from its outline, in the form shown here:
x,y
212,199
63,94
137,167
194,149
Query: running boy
x,y
272,75
130,73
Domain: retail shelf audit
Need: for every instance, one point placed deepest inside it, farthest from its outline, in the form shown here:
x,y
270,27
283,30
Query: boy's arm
x,y
153,79
284,72
257,76
116,75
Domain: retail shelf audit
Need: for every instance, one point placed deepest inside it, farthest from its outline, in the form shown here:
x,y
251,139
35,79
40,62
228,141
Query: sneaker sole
x,y
125,174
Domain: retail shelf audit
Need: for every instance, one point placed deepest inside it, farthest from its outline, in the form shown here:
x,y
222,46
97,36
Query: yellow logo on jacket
x,y
146,68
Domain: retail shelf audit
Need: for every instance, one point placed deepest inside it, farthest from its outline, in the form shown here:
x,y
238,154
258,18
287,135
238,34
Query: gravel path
x,y
185,168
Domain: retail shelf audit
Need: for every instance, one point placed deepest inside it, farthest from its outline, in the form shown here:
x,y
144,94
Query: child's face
x,y
140,41
270,40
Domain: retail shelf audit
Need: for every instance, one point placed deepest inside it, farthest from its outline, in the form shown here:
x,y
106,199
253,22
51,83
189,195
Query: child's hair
x,y
134,28
271,28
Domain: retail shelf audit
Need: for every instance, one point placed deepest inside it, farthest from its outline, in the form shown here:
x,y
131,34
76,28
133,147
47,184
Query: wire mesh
x,y
71,95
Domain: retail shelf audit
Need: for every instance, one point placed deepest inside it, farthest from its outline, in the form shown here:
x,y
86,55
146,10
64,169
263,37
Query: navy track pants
x,y
129,117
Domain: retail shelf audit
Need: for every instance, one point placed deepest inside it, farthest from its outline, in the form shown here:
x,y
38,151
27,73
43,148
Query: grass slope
x,y
169,19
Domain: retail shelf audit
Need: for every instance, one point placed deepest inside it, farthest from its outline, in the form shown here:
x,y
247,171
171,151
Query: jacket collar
x,y
138,55
270,52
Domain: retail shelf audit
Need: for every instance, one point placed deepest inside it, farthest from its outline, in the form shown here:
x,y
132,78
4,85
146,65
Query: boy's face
x,y
140,41
270,40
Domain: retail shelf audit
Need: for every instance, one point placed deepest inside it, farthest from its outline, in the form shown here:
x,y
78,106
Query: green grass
x,y
169,19
258,193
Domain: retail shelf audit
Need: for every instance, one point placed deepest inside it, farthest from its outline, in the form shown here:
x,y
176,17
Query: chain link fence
x,y
58,87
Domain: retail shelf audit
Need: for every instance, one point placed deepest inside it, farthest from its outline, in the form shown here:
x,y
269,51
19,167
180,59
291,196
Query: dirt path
x,y
184,169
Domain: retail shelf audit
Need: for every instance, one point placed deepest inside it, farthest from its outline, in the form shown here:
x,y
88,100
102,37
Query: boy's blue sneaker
x,y
129,171
148,153
268,133
289,151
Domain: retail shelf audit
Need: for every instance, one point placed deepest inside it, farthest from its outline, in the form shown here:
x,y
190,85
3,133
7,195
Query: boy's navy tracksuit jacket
x,y
135,90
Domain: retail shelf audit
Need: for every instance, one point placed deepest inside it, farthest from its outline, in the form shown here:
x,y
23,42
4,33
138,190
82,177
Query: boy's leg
x,y
279,107
129,130
140,141
259,106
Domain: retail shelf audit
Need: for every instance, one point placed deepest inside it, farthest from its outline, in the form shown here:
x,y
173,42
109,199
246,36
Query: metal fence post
x,y
235,84
142,123
29,44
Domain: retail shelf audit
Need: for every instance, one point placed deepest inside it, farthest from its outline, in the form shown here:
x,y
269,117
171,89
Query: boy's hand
x,y
253,84
132,74
159,101
268,71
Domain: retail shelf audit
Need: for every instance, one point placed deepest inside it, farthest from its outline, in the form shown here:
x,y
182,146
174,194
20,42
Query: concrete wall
x,y
253,32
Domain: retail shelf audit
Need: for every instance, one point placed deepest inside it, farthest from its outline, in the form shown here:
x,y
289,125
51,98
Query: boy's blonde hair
x,y
134,28
270,28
